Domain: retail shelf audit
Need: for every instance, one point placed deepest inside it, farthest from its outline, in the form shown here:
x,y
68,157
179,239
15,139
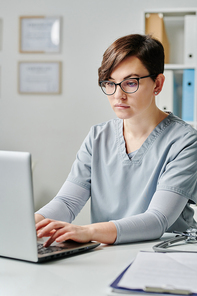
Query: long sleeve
x,y
67,204
163,211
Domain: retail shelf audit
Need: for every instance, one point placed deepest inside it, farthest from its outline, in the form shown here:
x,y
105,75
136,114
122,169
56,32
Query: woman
x,y
139,169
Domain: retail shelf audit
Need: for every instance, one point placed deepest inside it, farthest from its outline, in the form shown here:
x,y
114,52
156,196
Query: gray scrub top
x,y
121,187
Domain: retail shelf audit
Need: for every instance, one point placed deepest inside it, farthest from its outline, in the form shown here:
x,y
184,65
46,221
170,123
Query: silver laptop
x,y
17,230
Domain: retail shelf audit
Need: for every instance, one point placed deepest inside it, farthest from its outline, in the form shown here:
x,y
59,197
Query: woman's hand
x,y
60,231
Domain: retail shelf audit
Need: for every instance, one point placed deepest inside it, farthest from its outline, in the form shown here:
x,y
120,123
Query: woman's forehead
x,y
130,66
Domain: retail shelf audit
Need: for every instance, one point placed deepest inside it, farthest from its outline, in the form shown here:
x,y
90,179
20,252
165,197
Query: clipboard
x,y
151,290
117,288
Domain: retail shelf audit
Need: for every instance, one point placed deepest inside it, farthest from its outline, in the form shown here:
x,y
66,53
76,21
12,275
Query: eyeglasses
x,y
129,85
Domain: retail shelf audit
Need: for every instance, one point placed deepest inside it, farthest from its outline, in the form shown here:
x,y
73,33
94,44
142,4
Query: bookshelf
x,y
177,30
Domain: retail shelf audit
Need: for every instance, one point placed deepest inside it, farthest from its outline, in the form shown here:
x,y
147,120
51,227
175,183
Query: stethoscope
x,y
188,236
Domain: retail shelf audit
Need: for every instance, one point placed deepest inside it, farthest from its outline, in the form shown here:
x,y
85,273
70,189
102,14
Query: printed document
x,y
168,271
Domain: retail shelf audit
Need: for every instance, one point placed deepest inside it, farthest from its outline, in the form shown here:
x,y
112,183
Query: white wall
x,y
53,127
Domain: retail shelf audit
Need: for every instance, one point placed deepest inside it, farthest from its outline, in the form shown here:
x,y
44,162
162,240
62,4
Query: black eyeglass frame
x,y
116,84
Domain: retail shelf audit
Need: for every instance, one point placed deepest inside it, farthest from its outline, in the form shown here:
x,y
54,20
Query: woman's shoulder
x,y
108,126
181,126
179,133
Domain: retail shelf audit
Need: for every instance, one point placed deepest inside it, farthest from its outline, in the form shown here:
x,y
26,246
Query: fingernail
x,y
39,234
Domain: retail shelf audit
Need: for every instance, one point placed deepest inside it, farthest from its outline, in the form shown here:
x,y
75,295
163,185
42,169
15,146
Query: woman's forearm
x,y
38,218
104,232
59,231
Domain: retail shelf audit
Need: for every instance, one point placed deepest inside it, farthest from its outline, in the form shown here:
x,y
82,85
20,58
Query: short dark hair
x,y
147,49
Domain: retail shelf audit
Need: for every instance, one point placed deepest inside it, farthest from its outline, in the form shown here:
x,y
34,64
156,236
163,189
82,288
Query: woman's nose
x,y
119,93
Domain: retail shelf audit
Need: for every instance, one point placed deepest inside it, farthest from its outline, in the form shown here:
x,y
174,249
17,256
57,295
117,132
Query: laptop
x,y
17,230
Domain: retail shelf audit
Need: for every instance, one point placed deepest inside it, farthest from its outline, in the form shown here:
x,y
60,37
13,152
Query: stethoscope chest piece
x,y
188,236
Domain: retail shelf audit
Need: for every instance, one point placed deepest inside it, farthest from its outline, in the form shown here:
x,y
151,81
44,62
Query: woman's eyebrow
x,y
132,75
128,76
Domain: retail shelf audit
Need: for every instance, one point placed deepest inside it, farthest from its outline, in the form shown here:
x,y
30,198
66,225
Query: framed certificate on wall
x,y
39,78
39,34
1,33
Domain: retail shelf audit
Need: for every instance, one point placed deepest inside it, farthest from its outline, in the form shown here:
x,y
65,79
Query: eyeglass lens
x,y
128,85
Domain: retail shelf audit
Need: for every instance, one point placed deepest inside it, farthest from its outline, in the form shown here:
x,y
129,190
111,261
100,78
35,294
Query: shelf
x,y
178,67
179,25
173,12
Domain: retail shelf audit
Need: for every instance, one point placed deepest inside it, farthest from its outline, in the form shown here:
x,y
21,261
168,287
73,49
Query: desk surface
x,y
87,274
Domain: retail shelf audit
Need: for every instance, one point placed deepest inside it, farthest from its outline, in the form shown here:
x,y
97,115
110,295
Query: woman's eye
x,y
109,84
131,83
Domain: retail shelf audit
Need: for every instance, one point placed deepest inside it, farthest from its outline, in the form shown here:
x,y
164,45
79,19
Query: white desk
x,y
87,274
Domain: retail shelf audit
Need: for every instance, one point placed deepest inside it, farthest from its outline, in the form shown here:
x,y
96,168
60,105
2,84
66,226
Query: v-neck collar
x,y
145,146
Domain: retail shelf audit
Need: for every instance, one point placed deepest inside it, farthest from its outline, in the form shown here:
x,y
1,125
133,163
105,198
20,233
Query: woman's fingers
x,y
40,233
59,234
60,231
49,227
43,223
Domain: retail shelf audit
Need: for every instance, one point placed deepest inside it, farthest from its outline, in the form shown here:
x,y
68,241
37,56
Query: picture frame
x,y
1,34
39,34
0,82
39,77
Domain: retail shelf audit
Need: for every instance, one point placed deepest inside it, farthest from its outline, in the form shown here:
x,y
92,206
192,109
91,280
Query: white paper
x,y
39,77
162,270
40,34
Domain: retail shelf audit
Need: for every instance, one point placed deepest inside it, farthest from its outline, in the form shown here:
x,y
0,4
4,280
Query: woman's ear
x,y
159,84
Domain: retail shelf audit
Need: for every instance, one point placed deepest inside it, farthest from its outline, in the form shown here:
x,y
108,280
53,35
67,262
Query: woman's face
x,y
126,105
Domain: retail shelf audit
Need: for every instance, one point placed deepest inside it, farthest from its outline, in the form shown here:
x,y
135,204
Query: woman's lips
x,y
121,106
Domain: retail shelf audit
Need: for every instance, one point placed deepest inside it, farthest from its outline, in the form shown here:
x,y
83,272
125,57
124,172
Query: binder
x,y
188,95
170,98
177,93
190,43
155,26
164,100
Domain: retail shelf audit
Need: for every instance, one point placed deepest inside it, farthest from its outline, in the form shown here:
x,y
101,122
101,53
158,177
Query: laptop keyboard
x,y
42,250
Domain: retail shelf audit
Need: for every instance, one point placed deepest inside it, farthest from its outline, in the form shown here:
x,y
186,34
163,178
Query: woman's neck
x,y
136,130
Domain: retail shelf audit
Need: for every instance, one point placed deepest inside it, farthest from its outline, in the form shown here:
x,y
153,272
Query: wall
x,y
53,127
